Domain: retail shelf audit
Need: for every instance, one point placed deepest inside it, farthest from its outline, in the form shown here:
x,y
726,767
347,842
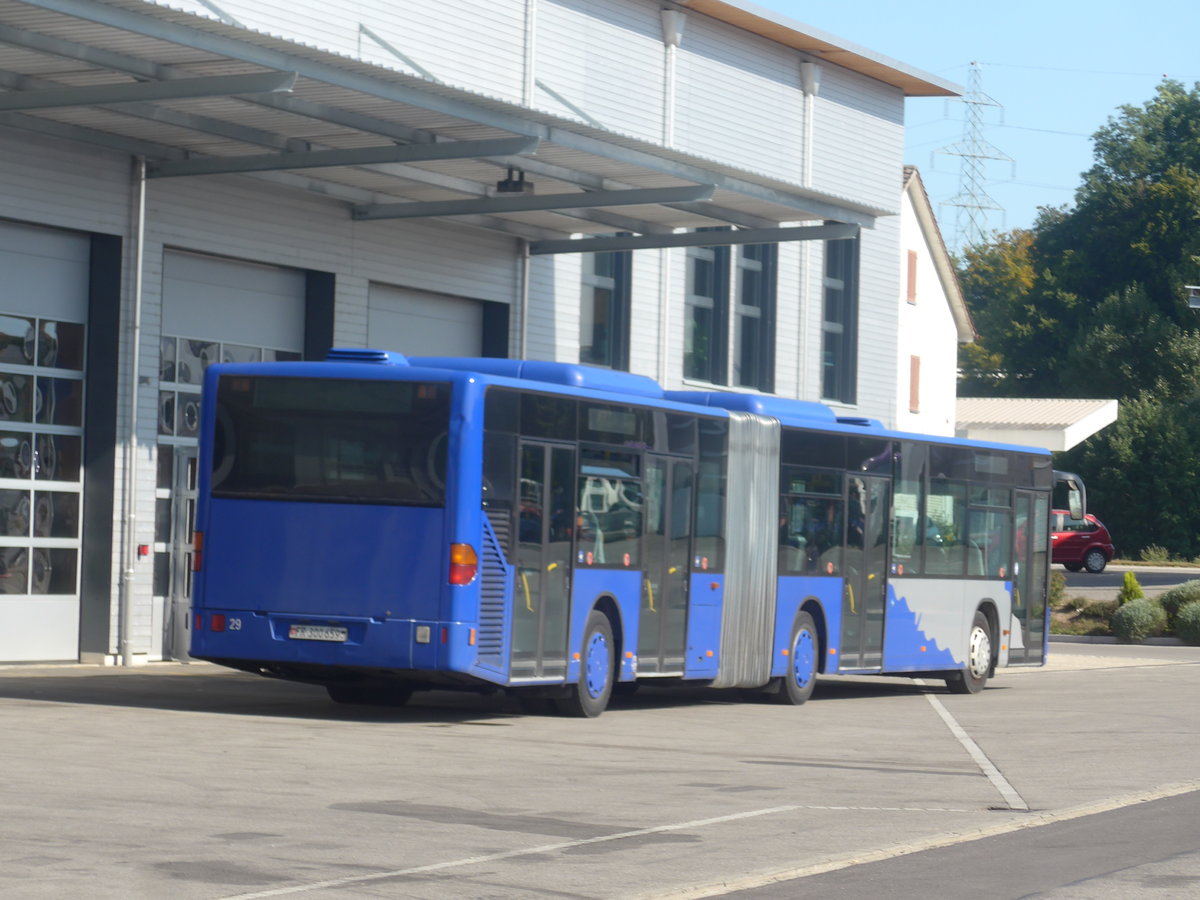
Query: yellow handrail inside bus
x,y
528,597
650,593
850,589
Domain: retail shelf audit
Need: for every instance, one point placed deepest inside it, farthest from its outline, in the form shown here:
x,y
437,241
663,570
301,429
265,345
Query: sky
x,y
1058,70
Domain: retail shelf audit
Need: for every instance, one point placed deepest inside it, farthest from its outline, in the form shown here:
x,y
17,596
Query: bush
x,y
1081,626
1187,623
1138,620
1080,616
1178,597
1155,553
1130,589
1099,609
1058,589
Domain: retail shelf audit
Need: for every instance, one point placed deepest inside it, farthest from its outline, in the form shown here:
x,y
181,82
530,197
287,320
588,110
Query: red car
x,y
1079,543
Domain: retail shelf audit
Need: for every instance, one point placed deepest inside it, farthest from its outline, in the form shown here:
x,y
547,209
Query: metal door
x,y
662,620
541,596
865,593
1031,549
182,547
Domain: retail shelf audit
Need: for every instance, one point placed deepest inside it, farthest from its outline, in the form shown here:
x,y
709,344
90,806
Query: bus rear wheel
x,y
972,678
803,653
589,696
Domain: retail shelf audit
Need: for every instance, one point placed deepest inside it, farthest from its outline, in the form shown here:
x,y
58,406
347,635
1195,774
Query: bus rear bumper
x,y
274,639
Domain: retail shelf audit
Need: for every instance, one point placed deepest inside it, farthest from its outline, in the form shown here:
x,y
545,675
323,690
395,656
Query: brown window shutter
x,y
914,384
912,276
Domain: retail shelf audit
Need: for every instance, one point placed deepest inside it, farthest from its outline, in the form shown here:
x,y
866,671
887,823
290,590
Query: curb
x,y
1106,639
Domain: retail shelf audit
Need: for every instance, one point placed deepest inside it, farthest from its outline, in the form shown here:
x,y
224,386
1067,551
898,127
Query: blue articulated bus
x,y
379,524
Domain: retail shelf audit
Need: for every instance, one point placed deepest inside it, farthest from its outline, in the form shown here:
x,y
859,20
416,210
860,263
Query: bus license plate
x,y
317,633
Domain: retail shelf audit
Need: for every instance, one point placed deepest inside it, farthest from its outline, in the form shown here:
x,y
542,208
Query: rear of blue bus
x,y
330,548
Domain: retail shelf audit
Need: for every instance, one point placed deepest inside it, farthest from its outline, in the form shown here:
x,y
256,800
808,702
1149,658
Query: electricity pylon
x,y
972,201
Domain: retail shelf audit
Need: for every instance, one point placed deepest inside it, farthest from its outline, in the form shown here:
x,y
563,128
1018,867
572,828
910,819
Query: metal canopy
x,y
190,95
698,239
222,85
493,205
364,157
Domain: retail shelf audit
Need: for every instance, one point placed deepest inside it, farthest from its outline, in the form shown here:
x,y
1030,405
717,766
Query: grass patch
x,y
1079,616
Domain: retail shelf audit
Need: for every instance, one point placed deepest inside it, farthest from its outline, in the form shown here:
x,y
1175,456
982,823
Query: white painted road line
x,y
508,854
1007,791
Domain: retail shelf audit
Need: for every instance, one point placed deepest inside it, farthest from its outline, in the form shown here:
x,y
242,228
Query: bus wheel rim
x,y
981,653
596,663
802,658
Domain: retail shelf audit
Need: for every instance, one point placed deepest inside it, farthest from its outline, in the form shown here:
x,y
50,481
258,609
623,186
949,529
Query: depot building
x,y
697,191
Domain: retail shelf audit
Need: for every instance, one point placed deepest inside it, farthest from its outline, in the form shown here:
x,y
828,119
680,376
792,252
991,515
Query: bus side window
x,y
944,526
499,466
908,537
709,545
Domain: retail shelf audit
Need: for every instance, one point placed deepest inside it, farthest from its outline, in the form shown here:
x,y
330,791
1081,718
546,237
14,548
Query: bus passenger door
x,y
541,595
662,620
865,593
1030,548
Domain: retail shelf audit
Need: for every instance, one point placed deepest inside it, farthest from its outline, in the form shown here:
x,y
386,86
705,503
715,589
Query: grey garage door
x,y
43,319
417,323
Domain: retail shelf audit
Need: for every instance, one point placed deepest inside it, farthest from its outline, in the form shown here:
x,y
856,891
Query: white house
x,y
933,319
203,180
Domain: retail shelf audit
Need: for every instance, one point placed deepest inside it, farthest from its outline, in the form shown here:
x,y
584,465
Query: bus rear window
x,y
331,440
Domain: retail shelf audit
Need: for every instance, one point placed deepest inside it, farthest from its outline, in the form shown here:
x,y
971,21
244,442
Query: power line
x,y
1043,130
1081,71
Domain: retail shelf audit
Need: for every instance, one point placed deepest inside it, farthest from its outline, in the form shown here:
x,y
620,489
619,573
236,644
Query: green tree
x,y
1090,302
1131,589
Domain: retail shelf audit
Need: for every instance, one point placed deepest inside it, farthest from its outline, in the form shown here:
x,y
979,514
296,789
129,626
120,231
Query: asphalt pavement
x,y
187,781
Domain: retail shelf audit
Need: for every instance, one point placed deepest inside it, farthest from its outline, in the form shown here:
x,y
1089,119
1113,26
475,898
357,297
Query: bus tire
x,y
972,677
589,696
803,655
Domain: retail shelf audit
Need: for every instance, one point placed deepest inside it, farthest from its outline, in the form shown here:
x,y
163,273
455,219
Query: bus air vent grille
x,y
492,594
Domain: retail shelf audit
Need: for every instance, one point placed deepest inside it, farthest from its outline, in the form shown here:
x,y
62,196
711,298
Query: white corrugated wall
x,y
739,100
475,44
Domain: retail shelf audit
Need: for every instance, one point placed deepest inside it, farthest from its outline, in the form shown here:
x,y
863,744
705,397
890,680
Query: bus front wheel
x,y
972,678
589,696
803,650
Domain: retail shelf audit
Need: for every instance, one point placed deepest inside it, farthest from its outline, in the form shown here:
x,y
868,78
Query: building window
x,y
912,276
754,362
706,315
914,384
839,350
728,289
604,314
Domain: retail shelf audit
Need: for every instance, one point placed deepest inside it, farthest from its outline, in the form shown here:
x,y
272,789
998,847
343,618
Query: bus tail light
x,y
217,622
464,564
197,550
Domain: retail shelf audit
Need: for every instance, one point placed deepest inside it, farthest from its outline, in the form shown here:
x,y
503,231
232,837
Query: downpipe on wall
x,y
129,520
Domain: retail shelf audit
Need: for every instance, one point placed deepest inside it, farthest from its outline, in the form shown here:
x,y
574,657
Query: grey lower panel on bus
x,y
751,535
